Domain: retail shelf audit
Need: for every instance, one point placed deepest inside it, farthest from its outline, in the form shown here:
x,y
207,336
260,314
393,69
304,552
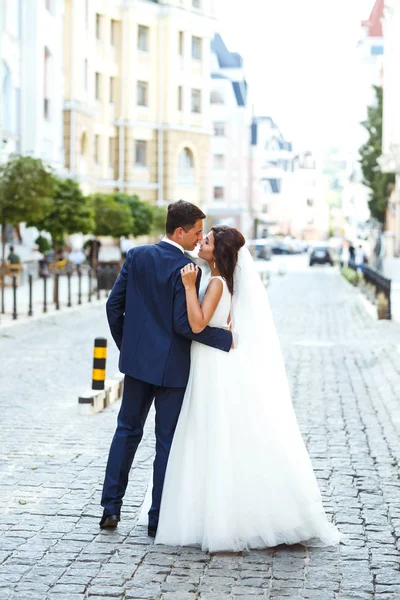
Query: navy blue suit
x,y
148,320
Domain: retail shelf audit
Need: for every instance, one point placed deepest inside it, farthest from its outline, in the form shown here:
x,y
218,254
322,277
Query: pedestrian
x,y
352,255
360,258
13,258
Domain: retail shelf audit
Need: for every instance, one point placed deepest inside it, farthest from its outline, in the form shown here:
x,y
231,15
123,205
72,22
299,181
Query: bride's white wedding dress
x,y
239,475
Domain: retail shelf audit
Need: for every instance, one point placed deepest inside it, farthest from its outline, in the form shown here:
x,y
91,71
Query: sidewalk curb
x,y
366,305
53,313
94,401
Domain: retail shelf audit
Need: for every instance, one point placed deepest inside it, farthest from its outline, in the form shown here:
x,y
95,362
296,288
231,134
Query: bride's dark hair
x,y
227,243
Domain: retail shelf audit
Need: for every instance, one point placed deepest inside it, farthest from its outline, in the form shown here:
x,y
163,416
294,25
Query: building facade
x,y
390,159
271,166
228,198
32,79
137,97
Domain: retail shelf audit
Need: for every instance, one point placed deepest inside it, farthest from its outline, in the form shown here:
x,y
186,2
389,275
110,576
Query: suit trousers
x,y
136,402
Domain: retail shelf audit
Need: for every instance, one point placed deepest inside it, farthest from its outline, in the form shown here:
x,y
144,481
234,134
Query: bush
x,y
352,276
43,244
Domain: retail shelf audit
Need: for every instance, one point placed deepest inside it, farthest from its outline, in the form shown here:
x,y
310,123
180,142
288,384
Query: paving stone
x,y
343,370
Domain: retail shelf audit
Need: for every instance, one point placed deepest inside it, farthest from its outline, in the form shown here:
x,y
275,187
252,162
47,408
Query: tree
x,y
26,187
159,218
69,212
110,217
141,212
379,183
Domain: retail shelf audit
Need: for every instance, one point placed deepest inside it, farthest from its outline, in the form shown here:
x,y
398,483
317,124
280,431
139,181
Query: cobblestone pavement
x,y
344,372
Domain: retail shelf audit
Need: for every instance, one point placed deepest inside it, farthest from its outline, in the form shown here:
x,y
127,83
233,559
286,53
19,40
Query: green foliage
x,y
142,213
159,218
26,187
43,244
70,211
379,183
111,217
352,276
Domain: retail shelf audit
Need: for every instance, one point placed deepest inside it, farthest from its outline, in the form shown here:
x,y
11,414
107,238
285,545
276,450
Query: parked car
x,y
260,248
320,255
282,248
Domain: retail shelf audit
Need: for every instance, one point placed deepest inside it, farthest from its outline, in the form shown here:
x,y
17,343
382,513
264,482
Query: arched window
x,y
84,144
7,99
186,169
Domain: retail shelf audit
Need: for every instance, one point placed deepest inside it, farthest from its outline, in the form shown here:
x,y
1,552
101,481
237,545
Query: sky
x,y
301,62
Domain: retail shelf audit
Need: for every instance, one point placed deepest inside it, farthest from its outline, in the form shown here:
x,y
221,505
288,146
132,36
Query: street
x,y
344,371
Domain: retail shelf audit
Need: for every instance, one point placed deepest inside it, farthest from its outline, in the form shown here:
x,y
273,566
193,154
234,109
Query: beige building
x,y
137,96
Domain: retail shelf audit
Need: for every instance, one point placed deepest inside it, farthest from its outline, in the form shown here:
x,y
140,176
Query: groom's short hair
x,y
182,214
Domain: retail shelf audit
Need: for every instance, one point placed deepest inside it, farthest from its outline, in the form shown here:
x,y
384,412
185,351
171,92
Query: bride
x,y
239,475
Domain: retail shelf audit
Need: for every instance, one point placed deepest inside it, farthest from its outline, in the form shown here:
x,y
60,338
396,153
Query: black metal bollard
x,y
30,311
69,289
90,285
15,316
79,287
99,363
56,283
45,294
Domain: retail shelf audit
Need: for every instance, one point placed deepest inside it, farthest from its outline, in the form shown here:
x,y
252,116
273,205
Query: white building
x,y
305,213
271,158
390,159
228,200
32,79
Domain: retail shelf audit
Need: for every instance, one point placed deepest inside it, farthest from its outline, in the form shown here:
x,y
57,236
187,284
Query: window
x,y
218,193
112,90
219,161
180,97
83,144
142,93
98,86
7,99
196,101
98,26
217,97
143,38
181,43
111,151
86,75
114,32
219,129
141,153
186,170
96,149
196,47
46,101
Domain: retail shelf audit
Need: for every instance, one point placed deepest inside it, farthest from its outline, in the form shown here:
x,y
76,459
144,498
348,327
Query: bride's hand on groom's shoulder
x,y
189,275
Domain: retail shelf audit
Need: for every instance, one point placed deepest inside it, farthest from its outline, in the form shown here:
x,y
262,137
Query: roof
x,y
240,89
374,23
226,59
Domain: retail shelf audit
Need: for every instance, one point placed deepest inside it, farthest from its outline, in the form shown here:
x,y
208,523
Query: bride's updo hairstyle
x,y
227,243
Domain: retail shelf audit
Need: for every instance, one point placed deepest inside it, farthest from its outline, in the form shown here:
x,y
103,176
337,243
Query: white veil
x,y
258,342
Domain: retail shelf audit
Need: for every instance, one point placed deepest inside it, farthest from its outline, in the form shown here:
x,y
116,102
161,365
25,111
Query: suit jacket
x,y
147,314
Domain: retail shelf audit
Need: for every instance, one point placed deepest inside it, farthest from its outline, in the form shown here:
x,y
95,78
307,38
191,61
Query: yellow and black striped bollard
x,y
99,363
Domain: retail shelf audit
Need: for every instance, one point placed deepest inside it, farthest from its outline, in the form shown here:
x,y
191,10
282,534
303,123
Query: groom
x,y
148,320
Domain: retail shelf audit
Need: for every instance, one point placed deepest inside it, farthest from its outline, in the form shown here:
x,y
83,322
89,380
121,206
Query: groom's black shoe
x,y
109,521
152,530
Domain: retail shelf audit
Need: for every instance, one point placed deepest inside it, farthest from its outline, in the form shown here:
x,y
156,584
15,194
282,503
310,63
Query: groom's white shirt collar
x,y
165,239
